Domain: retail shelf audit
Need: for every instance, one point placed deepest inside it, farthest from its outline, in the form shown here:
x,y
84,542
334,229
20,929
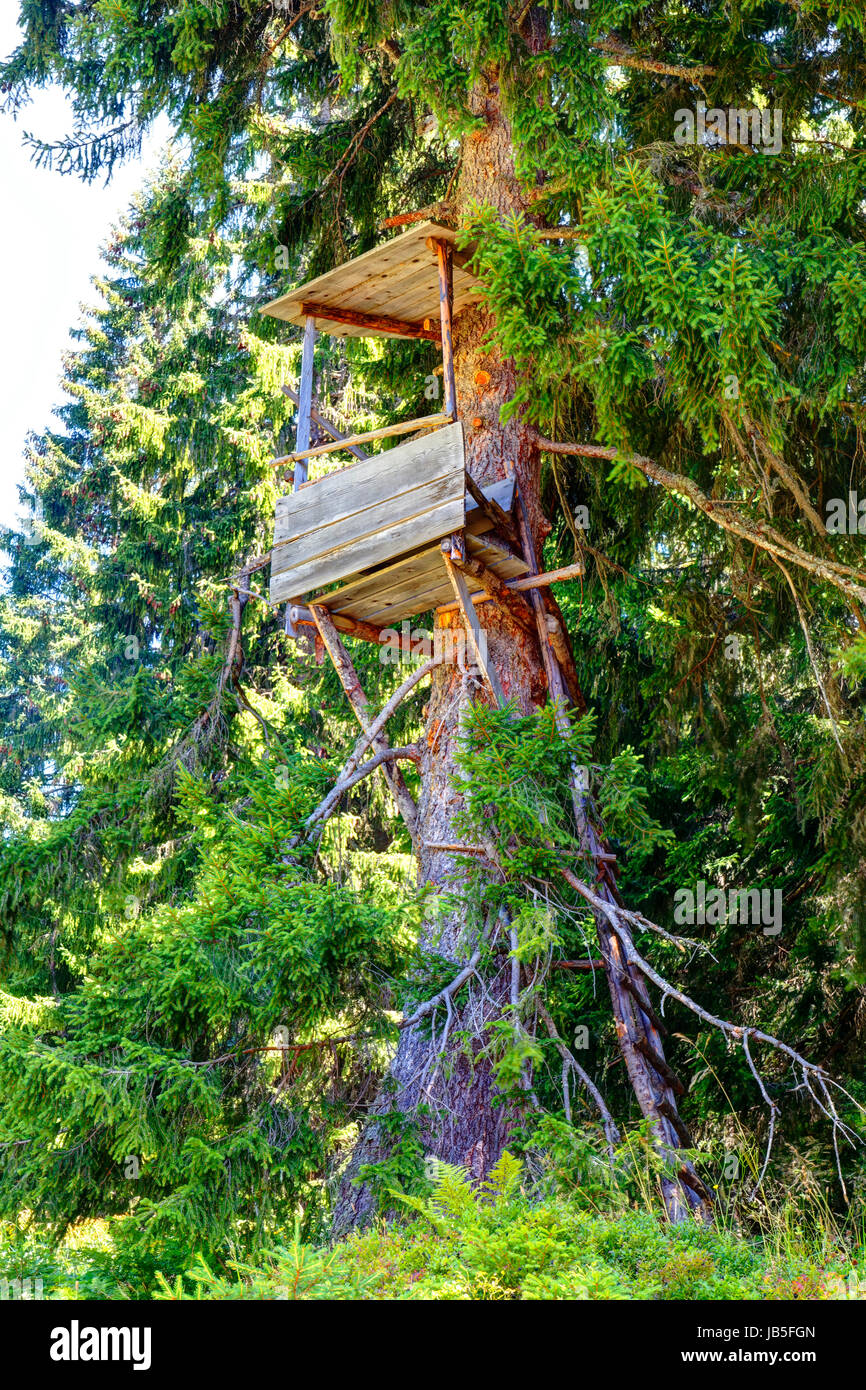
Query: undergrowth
x,y
508,1238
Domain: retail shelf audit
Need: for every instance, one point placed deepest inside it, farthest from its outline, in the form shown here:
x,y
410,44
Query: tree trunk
x,y
453,1081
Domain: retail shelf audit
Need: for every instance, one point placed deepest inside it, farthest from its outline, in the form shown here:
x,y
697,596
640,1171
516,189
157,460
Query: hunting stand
x,y
396,534
407,530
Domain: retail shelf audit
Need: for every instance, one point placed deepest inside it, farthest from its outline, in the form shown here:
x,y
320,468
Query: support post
x,y
470,622
302,433
361,705
493,511
639,1039
514,605
444,262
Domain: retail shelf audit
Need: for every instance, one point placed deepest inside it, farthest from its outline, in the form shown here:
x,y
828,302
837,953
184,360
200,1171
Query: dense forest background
x,y
197,1015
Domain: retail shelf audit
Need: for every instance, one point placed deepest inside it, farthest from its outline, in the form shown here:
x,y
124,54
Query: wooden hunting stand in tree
x,y
407,530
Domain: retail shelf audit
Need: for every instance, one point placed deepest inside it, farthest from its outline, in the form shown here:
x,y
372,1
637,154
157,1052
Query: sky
x,y
50,234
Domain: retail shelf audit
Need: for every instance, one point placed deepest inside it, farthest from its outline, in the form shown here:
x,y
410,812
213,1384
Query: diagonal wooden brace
x,y
361,705
470,622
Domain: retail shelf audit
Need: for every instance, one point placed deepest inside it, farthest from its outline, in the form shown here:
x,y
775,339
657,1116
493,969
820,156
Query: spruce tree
x,y
682,323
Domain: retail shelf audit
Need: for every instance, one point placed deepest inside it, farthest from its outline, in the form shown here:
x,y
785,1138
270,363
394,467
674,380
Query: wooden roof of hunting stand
x,y
388,292
405,530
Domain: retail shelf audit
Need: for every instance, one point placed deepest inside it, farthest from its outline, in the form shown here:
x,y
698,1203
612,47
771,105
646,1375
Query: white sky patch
x,y
50,234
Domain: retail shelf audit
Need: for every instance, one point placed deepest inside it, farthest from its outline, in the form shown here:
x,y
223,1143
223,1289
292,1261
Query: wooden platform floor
x,y
415,583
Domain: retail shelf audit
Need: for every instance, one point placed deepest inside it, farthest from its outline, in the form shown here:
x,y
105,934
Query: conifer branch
x,y
842,577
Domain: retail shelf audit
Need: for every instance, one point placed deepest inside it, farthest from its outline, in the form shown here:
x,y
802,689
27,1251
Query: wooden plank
x,y
384,477
384,263
340,536
473,628
499,559
424,422
412,575
381,583
416,596
415,587
411,282
370,550
489,504
324,423
418,297
442,251
413,295
376,323
305,399
302,433
381,587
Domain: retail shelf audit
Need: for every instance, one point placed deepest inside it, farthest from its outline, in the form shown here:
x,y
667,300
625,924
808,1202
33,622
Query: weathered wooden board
x,y
477,522
398,279
347,493
407,509
368,514
415,584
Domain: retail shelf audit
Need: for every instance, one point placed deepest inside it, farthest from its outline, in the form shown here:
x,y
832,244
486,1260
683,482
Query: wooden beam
x,y
541,581
324,423
361,705
445,265
522,585
433,212
305,400
473,630
514,605
555,679
424,422
492,509
561,643
557,640
302,616
302,433
377,323
555,649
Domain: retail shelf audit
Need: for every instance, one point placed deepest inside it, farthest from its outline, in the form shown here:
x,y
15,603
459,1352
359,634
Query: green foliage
x,y
504,1242
707,310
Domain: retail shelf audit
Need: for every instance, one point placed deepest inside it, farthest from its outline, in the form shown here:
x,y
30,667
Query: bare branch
x,y
842,577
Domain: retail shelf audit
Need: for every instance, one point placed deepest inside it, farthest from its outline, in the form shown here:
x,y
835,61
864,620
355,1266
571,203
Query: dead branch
x,y
810,1072
570,1061
411,753
842,577
623,57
